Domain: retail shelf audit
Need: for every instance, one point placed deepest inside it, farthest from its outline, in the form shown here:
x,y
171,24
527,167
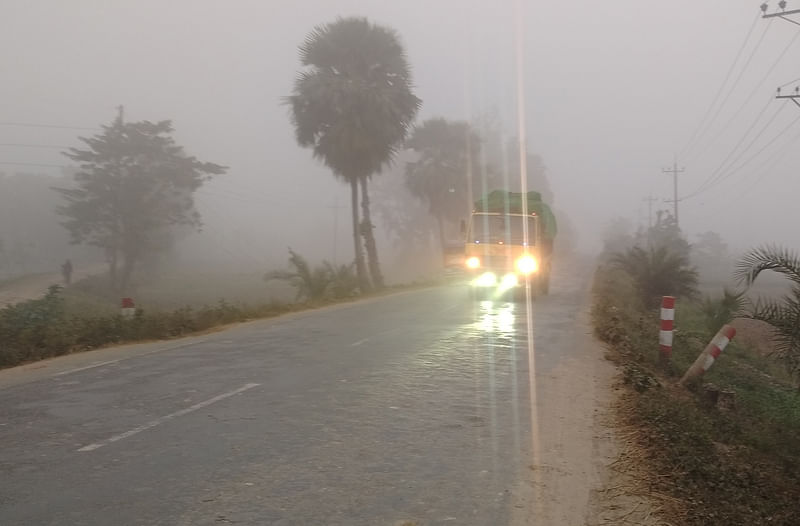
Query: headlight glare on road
x,y
527,265
473,262
509,281
487,279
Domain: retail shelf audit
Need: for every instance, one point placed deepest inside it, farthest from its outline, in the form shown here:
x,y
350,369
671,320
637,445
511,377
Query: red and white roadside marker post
x,y
128,308
709,354
667,325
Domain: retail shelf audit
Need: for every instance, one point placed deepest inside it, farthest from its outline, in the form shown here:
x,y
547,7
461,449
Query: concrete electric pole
x,y
674,171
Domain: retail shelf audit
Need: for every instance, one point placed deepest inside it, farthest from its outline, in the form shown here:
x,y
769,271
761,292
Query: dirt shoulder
x,y
573,475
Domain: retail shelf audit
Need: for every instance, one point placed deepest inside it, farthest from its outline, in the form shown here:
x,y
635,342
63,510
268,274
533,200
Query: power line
x,y
746,133
749,159
711,179
763,79
758,136
776,160
790,82
721,87
769,143
57,126
735,84
763,170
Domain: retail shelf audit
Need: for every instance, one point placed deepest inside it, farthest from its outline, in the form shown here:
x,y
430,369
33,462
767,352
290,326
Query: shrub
x,y
658,272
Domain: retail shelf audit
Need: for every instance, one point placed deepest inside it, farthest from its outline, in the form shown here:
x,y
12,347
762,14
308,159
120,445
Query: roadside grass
x,y
716,466
84,316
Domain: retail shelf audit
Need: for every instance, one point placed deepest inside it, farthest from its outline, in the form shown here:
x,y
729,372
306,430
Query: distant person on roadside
x,y
66,272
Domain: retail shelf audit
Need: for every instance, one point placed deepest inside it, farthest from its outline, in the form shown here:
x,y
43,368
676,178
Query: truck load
x,y
509,243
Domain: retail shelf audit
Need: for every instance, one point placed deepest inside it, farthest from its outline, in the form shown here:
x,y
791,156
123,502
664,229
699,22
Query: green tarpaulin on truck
x,y
500,201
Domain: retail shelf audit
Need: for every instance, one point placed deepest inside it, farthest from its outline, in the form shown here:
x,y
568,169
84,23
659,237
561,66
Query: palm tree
x,y
352,104
783,314
448,151
658,271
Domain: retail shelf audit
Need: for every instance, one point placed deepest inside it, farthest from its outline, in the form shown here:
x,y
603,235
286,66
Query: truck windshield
x,y
502,229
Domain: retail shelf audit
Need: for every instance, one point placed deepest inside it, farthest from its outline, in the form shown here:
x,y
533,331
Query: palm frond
x,y
768,257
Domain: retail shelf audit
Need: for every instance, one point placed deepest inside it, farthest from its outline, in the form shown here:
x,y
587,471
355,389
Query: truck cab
x,y
505,251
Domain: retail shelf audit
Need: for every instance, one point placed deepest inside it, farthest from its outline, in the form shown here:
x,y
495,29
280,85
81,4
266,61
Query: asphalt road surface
x,y
412,407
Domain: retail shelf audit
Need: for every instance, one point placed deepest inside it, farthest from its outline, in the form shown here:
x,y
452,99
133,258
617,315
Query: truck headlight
x,y
527,265
473,262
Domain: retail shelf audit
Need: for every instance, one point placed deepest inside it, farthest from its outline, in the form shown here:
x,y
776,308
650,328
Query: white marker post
x,y
128,308
709,354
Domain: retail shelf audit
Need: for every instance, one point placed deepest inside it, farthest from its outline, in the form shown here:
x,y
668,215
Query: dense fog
x,y
614,93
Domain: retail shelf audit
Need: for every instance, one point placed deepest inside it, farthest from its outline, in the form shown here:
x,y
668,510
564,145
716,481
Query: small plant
x,y
320,282
719,311
344,282
639,378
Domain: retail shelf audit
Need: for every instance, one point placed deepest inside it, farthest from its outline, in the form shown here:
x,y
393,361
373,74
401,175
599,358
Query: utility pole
x,y
650,200
783,14
794,98
780,14
674,171
121,113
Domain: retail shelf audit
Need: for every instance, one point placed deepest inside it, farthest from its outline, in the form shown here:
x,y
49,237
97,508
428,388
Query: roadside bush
x,y
30,330
657,272
43,328
738,466
321,282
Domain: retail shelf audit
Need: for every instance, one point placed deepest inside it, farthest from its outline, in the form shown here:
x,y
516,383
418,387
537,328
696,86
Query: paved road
x,y
414,406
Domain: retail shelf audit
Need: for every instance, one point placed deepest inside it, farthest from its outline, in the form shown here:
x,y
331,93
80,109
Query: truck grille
x,y
502,263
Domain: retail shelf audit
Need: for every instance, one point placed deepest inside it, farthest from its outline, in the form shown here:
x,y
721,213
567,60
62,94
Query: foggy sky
x,y
613,90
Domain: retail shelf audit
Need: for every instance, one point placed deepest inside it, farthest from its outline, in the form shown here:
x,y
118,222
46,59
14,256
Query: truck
x,y
509,244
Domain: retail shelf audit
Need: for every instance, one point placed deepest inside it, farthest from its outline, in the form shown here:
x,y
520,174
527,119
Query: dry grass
x,y
630,495
694,463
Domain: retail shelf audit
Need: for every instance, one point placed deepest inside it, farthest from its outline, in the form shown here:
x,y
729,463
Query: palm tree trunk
x,y
361,271
369,238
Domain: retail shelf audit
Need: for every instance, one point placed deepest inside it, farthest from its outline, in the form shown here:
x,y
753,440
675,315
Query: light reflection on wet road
x,y
413,406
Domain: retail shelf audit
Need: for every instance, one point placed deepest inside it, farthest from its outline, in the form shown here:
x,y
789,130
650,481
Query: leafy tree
x,y
446,171
352,104
404,217
783,314
658,272
666,233
134,184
